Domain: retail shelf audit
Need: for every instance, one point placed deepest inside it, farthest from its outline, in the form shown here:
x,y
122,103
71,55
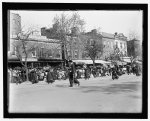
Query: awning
x,y
91,62
30,59
83,61
138,62
127,60
102,62
49,60
13,57
120,63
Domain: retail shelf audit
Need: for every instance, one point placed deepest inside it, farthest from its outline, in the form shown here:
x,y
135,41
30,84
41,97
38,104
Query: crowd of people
x,y
72,72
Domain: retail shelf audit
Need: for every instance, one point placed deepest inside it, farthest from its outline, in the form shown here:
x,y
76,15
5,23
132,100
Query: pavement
x,y
96,95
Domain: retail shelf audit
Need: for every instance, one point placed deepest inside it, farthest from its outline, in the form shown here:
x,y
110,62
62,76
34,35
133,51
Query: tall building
x,y
15,24
14,29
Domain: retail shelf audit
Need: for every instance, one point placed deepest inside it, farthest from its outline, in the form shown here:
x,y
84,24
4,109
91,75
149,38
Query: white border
x,y
62,1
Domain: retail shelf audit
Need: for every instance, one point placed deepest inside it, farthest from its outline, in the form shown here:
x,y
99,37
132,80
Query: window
x,y
68,52
111,44
84,54
108,44
76,54
58,54
14,51
34,53
120,45
91,41
50,53
116,44
75,42
124,45
104,43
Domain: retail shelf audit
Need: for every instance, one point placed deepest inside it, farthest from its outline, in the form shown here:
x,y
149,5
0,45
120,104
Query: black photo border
x,y
6,6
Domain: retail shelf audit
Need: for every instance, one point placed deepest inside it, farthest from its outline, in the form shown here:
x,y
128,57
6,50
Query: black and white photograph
x,y
75,61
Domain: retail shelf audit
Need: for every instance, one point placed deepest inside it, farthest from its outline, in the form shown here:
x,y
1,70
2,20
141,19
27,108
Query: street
x,y
96,95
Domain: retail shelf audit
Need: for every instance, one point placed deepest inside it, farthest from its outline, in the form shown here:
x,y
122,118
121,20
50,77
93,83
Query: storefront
x,y
13,62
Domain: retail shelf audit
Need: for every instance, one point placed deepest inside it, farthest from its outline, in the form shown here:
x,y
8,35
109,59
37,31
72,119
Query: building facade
x,y
40,53
43,49
121,43
108,44
14,27
75,43
15,24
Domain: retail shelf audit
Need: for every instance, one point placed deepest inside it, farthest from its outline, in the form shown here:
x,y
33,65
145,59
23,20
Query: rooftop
x,y
107,35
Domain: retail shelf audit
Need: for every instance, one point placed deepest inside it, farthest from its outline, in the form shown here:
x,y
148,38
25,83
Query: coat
x,y
50,77
71,73
33,77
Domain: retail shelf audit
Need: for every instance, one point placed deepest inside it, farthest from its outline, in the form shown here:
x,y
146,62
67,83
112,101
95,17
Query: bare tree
x,y
133,35
23,49
93,50
62,28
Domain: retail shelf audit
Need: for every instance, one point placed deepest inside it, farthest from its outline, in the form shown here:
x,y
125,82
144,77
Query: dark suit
x,y
71,74
50,77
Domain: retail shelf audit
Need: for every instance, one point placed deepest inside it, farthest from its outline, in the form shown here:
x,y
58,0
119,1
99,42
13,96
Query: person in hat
x,y
114,73
71,72
86,76
50,76
33,76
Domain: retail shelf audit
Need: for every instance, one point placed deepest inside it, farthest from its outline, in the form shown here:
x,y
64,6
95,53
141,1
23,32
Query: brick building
x,y
46,50
75,43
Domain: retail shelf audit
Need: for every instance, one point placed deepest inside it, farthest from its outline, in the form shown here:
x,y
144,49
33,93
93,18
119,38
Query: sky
x,y
109,21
